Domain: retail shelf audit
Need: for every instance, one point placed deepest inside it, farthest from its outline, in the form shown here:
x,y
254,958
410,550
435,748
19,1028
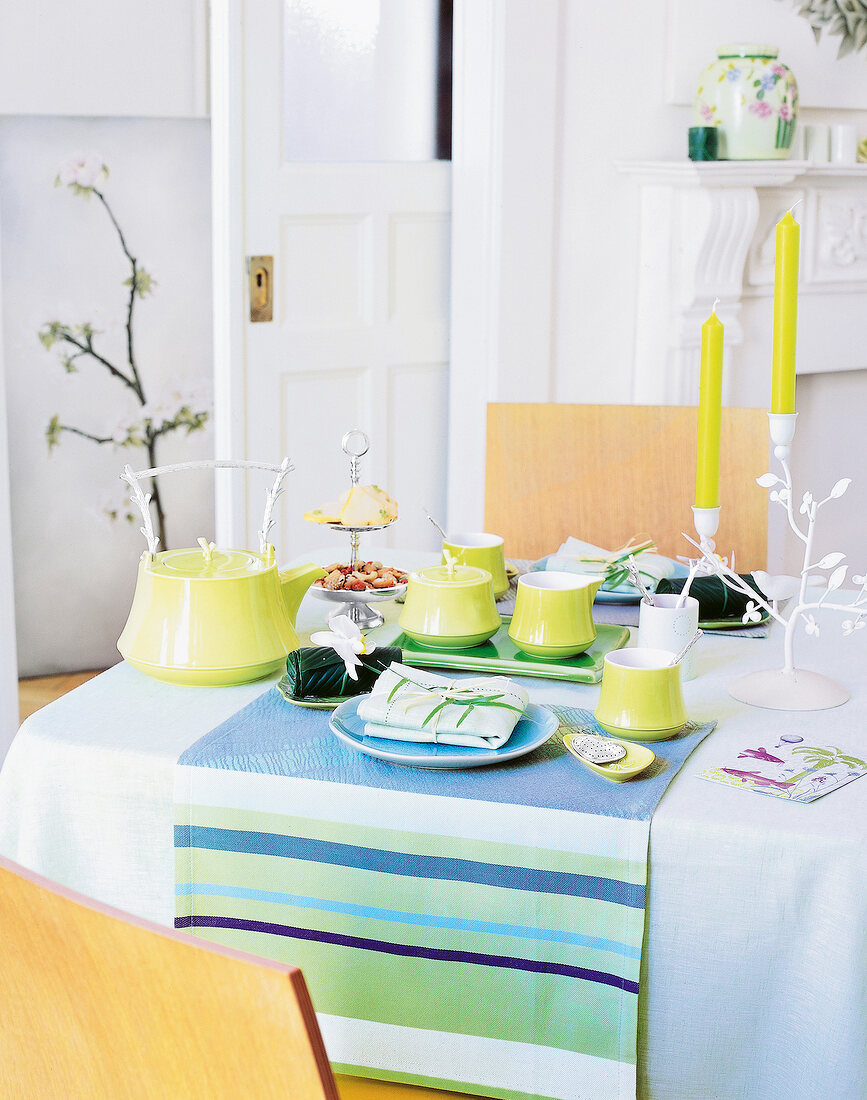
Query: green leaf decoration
x,y
466,714
403,680
318,672
435,711
846,19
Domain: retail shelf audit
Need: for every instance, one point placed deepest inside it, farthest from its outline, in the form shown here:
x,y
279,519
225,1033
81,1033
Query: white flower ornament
x,y
752,613
347,641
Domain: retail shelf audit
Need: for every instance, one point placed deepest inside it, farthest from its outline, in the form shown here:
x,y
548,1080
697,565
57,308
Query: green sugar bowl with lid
x,y
450,607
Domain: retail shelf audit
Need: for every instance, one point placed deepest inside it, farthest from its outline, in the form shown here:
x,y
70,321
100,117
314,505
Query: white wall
x,y
624,98
74,570
128,81
615,107
104,58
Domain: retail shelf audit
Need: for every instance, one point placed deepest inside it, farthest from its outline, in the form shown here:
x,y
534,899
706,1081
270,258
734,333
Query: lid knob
x,y
208,549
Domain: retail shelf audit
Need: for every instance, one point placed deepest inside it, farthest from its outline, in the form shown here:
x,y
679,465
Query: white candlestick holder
x,y
789,687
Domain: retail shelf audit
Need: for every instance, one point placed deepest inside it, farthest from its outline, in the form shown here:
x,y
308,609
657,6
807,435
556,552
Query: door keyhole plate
x,y
261,277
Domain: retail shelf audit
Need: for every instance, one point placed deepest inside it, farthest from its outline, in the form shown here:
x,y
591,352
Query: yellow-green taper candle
x,y
785,314
709,414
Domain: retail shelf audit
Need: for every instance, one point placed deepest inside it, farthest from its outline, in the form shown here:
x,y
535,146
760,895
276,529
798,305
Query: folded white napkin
x,y
573,554
410,704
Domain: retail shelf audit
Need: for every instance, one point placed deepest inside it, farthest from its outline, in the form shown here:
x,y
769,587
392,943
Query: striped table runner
x,y
477,930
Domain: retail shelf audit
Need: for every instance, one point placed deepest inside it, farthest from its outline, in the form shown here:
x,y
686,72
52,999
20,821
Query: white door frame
x,y
8,645
229,289
505,141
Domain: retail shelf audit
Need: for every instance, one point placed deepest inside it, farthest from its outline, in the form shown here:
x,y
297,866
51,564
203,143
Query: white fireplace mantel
x,y
706,236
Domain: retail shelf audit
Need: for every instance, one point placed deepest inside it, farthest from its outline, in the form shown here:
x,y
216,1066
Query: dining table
x,y
749,948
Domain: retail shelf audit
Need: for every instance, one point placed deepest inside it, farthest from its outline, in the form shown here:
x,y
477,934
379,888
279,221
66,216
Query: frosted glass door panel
x,y
342,60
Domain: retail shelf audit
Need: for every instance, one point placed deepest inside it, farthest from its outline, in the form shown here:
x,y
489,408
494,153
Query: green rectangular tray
x,y
500,654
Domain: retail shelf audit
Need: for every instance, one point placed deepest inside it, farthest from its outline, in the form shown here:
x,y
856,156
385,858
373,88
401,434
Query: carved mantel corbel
x,y
699,241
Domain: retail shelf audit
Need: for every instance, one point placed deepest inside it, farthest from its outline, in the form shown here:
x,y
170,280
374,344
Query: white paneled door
x,y
359,335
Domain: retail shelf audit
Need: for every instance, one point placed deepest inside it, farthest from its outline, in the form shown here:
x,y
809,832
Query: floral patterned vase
x,y
753,99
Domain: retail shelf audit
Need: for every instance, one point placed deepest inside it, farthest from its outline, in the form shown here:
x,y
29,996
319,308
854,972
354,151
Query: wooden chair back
x,y
98,1004
605,473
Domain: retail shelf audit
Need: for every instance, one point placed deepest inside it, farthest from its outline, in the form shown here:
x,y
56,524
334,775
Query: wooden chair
x,y
605,473
97,1004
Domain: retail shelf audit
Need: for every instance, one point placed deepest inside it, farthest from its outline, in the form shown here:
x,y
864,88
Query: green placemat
x,y
500,654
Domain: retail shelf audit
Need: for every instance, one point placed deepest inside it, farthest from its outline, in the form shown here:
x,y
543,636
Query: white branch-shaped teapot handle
x,y
131,477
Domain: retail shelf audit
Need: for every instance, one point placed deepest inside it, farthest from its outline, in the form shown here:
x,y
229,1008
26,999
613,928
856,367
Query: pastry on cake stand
x,y
361,508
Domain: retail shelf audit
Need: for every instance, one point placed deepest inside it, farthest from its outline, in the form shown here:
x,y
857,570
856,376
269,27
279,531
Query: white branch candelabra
x,y
789,688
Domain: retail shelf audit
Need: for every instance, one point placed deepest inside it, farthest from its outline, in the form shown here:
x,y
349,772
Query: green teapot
x,y
211,616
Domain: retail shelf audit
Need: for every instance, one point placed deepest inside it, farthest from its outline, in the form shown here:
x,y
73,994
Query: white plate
x,y
532,730
369,595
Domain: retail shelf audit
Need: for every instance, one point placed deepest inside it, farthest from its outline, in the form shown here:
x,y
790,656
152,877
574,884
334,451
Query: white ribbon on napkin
x,y
409,704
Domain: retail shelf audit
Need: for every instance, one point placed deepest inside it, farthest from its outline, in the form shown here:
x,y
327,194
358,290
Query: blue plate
x,y
532,730
625,593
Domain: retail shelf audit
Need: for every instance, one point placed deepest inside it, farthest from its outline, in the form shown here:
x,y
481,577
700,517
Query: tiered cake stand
x,y
357,604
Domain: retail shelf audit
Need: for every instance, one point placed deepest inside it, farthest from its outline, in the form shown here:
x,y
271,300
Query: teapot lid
x,y
209,563
462,576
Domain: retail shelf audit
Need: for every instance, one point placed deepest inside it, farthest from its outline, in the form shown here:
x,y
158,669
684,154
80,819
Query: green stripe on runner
x,y
485,1091
440,897
414,843
451,996
420,935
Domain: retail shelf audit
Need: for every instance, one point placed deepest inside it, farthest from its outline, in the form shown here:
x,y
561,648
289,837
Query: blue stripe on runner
x,y
519,931
532,879
434,953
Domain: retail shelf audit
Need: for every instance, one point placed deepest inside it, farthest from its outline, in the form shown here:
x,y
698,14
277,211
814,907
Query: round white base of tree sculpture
x,y
799,689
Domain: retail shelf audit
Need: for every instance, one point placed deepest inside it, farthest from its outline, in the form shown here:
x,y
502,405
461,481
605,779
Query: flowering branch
x,y
177,410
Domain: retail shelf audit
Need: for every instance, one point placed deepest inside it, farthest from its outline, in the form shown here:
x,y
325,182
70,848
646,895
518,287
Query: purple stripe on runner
x,y
436,953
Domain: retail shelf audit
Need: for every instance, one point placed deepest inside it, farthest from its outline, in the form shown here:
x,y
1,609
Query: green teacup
x,y
641,696
483,550
553,614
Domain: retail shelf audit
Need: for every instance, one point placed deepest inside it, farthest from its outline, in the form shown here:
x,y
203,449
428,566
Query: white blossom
x,y
346,639
127,430
82,170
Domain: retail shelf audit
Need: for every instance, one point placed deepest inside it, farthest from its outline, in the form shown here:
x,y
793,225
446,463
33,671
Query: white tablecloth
x,y
754,982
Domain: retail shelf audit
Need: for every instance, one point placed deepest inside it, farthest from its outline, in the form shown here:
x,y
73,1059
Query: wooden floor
x,y
41,690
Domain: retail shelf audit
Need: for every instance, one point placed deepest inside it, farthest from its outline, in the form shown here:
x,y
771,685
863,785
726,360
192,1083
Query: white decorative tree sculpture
x,y
791,688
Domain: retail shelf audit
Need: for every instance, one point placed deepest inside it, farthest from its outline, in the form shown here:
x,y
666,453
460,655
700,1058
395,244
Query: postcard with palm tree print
x,y
791,769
